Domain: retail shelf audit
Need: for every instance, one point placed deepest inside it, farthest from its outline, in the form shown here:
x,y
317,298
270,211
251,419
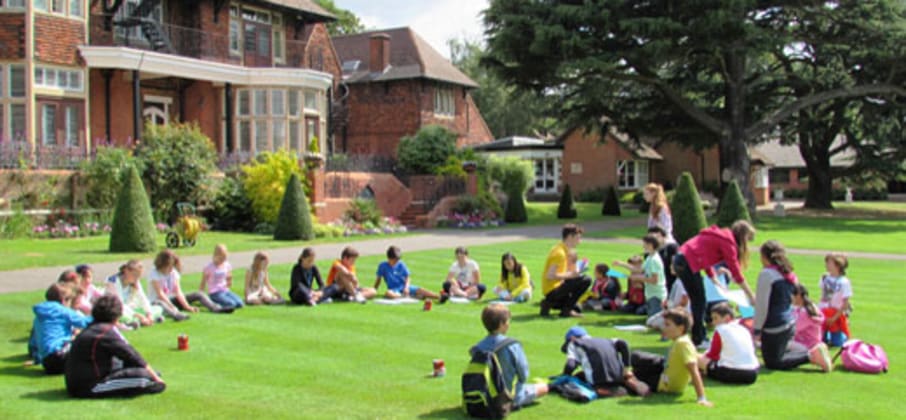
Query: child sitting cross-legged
x,y
396,275
605,292
634,302
731,358
496,320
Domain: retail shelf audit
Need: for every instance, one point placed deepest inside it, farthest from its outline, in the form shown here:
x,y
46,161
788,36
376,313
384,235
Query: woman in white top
x,y
258,288
659,210
464,278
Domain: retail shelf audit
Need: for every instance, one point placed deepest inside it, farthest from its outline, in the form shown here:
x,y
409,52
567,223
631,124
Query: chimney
x,y
379,52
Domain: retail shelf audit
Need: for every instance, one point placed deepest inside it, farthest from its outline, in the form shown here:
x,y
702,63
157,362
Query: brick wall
x,y
203,106
598,161
120,104
57,39
704,166
12,36
320,48
467,122
390,195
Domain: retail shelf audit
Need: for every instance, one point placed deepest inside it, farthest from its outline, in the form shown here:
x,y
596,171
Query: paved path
x,y
39,278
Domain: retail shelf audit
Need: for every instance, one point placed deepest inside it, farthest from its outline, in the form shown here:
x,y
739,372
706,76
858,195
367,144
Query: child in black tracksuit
x,y
101,362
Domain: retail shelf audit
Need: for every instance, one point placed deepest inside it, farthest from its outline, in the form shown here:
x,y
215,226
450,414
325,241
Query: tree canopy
x,y
701,72
347,23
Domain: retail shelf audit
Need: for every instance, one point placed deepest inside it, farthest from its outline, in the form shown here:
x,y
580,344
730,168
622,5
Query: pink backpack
x,y
859,356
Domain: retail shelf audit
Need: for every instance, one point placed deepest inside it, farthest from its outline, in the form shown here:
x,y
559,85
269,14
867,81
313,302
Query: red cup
x,y
427,306
182,342
439,368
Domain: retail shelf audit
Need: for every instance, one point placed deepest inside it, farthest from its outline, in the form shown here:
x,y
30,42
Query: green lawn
x,y
28,253
837,234
371,361
543,213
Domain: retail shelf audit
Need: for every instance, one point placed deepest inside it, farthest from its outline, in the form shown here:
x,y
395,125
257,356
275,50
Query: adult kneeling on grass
x,y
561,286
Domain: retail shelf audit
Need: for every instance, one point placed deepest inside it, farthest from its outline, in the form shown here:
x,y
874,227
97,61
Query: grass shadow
x,y
16,358
22,339
653,399
49,395
444,413
24,371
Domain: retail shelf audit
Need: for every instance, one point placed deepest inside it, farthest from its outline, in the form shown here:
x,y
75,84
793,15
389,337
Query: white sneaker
x,y
359,298
819,355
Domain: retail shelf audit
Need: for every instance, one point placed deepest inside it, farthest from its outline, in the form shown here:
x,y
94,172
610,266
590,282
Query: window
x,y
48,125
632,173
74,8
17,81
68,80
42,5
60,122
12,102
235,37
14,4
17,122
278,39
268,120
311,100
546,175
72,124
444,103
779,175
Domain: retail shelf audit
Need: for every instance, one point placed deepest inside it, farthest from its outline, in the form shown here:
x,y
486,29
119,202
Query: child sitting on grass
x,y
836,290
635,289
258,288
809,321
53,327
396,275
303,278
731,358
496,320
342,281
103,364
678,298
137,310
605,292
672,374
515,282
90,293
218,277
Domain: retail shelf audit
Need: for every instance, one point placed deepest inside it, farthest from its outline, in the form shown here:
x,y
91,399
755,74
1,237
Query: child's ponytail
x,y
774,252
802,292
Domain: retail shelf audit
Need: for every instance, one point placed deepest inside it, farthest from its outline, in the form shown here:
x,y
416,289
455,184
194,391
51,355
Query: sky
x,y
436,21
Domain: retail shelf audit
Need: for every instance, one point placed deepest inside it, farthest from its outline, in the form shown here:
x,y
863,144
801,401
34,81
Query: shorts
x,y
413,289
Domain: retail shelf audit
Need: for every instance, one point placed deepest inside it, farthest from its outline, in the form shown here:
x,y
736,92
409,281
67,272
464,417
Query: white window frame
x,y
55,7
272,118
20,5
7,102
235,23
637,169
549,171
62,78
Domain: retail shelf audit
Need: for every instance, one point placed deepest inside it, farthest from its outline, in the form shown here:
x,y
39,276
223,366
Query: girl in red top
x,y
711,246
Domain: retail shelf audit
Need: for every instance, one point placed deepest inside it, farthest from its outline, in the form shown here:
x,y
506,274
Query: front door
x,y
257,44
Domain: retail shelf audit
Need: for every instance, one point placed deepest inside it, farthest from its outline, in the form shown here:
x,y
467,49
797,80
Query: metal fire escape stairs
x,y
151,29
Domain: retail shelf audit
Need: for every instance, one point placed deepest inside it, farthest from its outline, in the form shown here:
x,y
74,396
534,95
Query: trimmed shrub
x,y
265,181
515,210
231,209
133,227
567,209
177,162
686,209
611,203
515,176
294,220
427,150
105,173
732,207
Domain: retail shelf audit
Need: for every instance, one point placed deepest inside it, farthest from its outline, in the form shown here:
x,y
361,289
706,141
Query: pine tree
x,y
294,220
133,226
611,202
567,209
686,210
732,207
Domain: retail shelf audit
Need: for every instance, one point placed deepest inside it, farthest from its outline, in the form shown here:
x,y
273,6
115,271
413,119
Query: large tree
x,y
507,110
867,128
704,62
347,23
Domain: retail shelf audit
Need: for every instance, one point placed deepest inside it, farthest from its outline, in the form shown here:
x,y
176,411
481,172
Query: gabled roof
x,y
788,156
637,148
517,143
306,6
411,57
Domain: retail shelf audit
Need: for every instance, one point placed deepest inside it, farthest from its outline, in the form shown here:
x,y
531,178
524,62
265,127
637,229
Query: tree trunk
x,y
820,181
734,156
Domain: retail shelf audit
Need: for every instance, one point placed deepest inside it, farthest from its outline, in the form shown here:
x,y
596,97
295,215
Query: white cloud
x,y
448,19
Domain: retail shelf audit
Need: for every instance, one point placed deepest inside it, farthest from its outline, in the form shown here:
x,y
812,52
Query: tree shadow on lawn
x,y
19,369
841,226
444,413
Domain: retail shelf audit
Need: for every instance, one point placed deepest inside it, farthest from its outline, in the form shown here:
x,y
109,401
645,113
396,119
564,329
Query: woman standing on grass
x,y
658,210
711,246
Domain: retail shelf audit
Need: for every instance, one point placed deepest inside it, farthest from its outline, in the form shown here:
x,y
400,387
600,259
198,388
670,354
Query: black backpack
x,y
485,393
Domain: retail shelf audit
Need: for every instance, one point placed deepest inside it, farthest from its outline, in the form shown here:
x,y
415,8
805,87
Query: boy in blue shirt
x,y
54,325
496,319
396,275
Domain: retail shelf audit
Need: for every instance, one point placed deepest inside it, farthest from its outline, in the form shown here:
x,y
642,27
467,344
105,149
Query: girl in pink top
x,y
808,321
218,277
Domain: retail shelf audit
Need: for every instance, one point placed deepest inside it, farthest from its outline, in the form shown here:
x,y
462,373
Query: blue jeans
x,y
227,299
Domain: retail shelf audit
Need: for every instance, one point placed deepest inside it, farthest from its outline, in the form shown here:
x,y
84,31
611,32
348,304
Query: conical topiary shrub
x,y
611,202
567,209
133,226
294,220
686,209
515,208
732,207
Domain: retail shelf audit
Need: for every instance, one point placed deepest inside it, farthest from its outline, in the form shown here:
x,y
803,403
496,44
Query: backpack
x,y
636,295
573,389
859,356
485,393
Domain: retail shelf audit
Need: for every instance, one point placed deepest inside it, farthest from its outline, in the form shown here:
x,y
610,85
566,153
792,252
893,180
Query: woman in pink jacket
x,y
712,245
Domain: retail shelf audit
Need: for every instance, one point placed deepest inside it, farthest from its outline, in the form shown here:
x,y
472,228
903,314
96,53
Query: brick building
x,y
396,84
255,75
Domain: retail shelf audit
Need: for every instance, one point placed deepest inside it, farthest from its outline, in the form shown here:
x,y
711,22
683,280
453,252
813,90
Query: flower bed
x,y
473,220
388,225
62,229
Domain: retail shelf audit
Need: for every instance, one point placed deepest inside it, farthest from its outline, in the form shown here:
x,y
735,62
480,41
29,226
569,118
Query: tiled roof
x,y
517,143
410,57
788,156
308,6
